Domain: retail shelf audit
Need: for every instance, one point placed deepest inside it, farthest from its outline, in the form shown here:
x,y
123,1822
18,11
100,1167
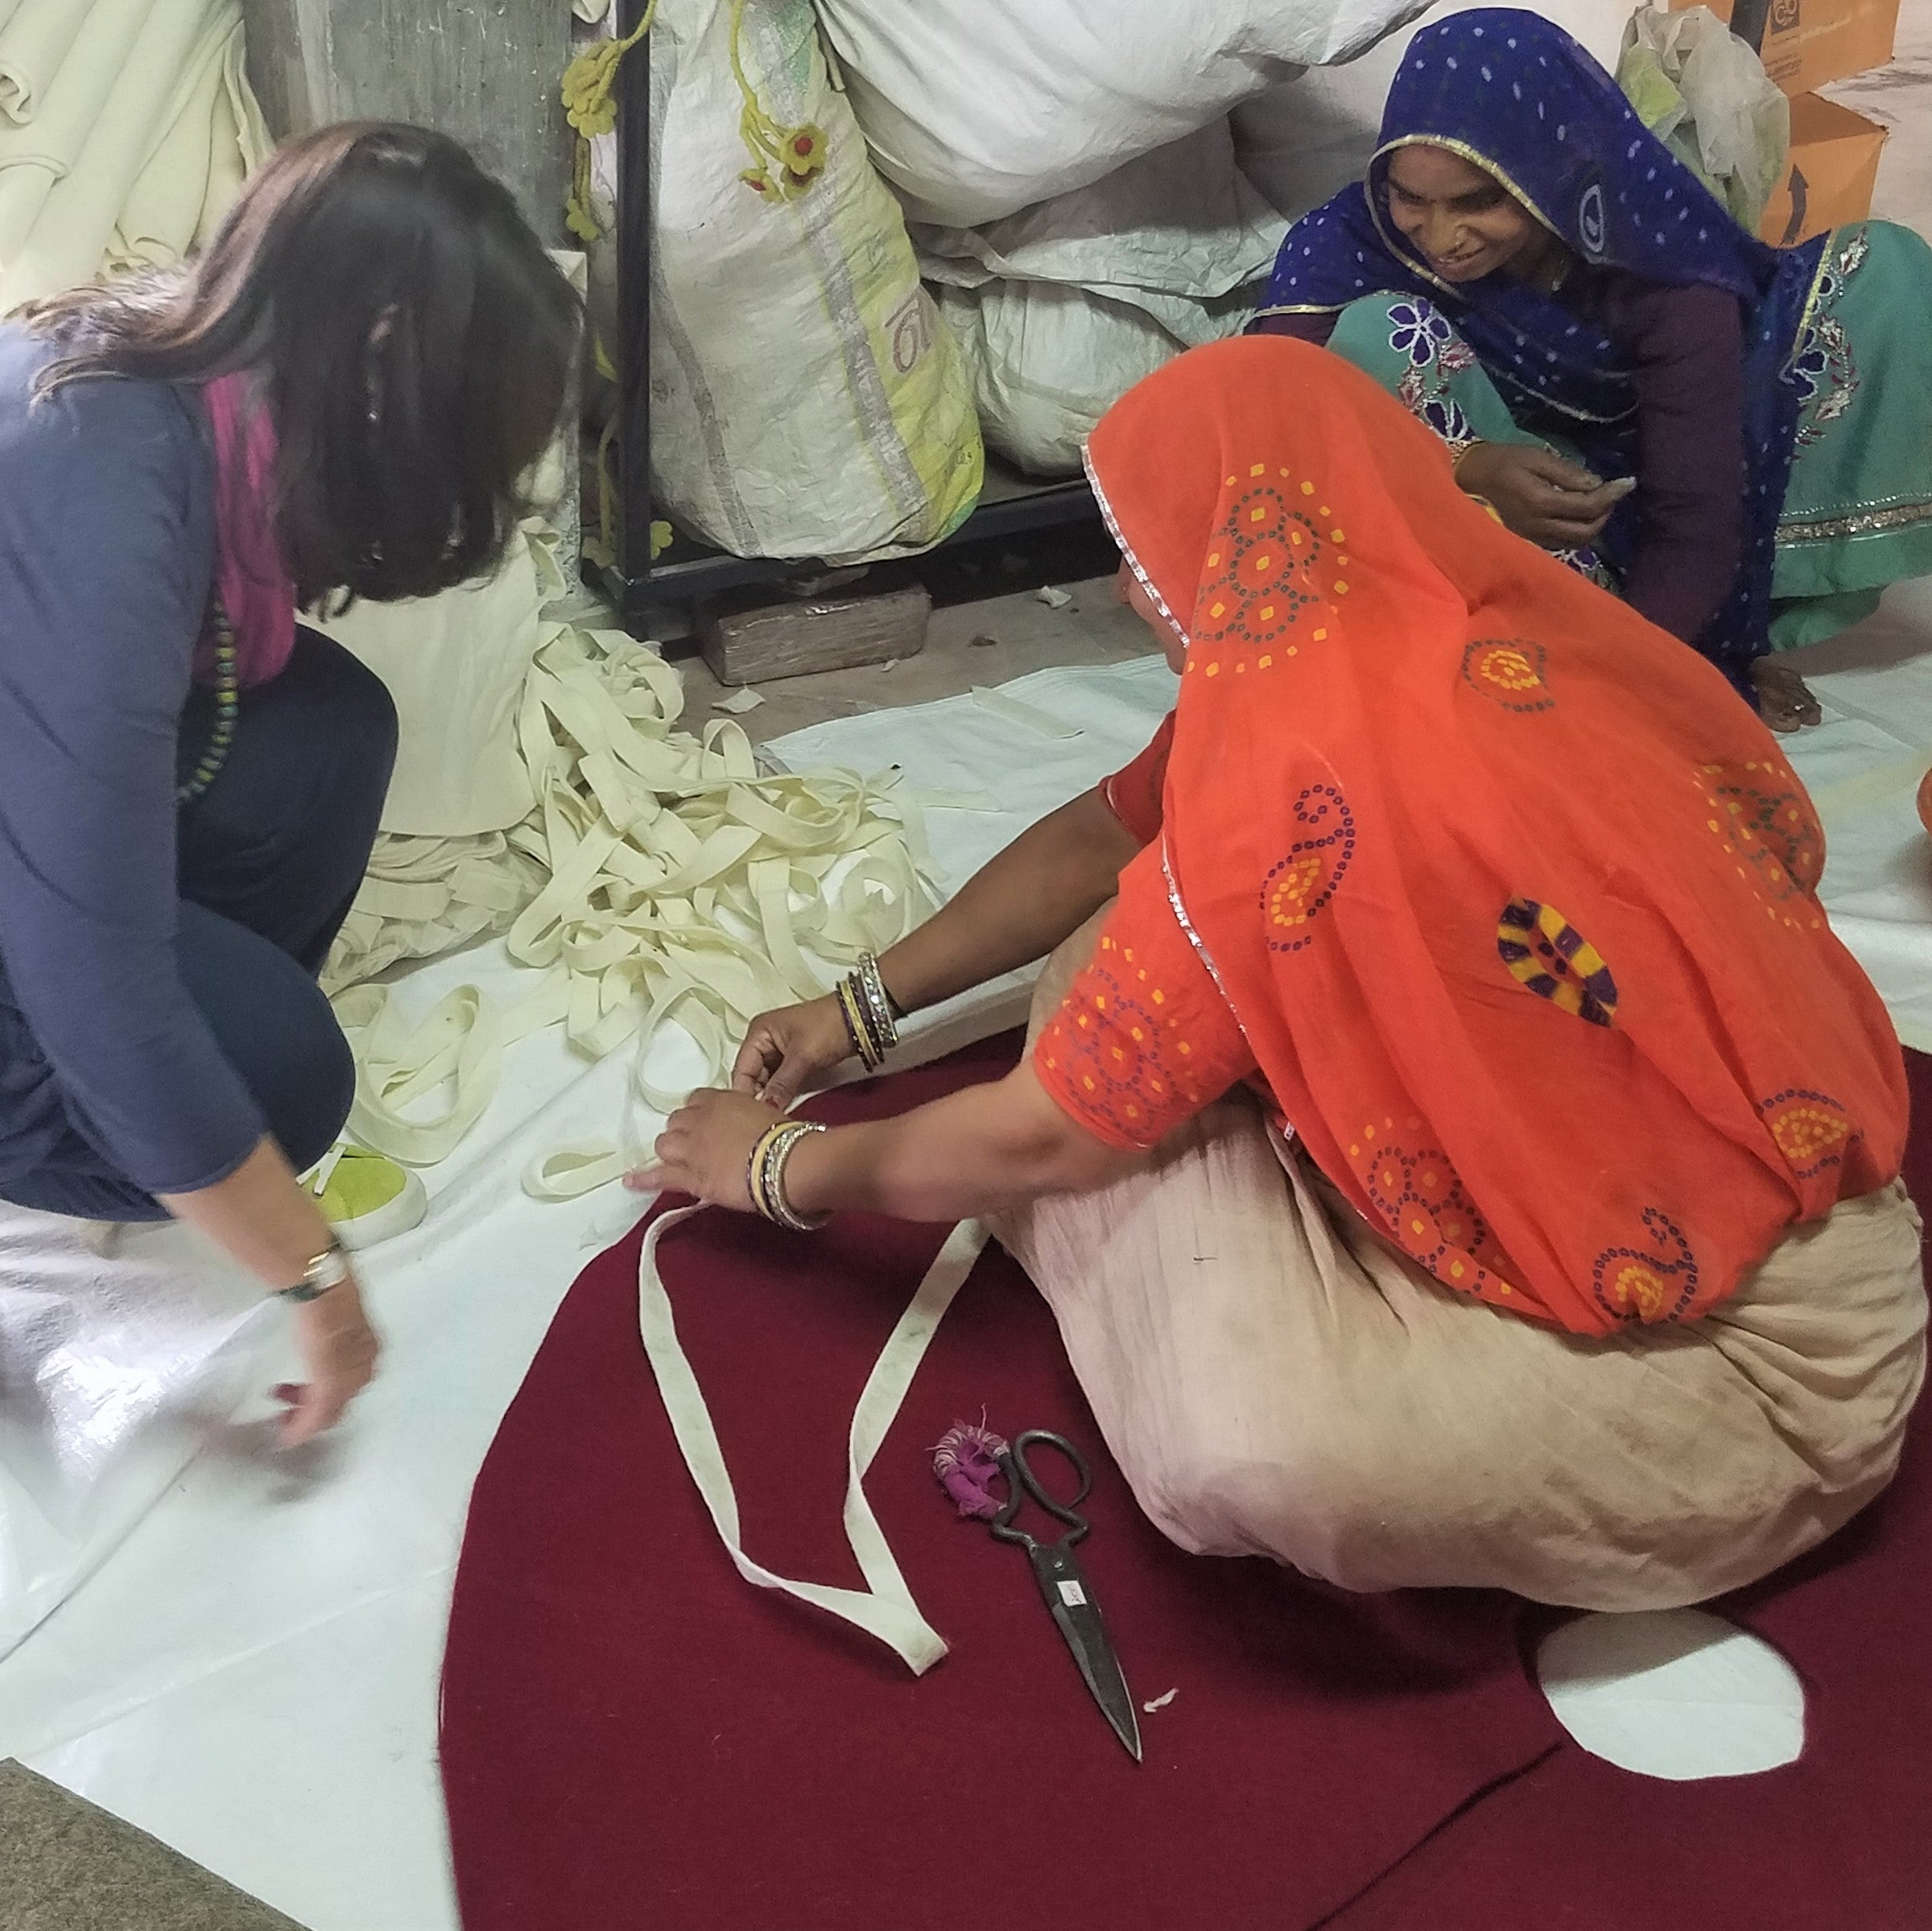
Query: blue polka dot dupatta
x,y
1513,94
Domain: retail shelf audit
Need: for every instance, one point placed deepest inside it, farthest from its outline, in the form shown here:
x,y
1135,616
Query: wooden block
x,y
1830,174
795,638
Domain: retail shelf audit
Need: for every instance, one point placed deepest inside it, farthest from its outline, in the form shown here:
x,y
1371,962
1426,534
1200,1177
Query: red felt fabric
x,y
1841,1838
633,1736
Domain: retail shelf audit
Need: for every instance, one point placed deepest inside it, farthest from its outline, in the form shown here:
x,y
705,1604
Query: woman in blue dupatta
x,y
1736,438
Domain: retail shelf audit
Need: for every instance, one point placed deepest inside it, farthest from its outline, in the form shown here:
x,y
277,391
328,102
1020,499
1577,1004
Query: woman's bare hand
x,y
705,1150
1539,495
339,1350
785,1051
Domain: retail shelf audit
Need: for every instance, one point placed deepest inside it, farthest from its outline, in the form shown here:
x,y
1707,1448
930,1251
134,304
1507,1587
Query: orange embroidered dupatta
x,y
1512,897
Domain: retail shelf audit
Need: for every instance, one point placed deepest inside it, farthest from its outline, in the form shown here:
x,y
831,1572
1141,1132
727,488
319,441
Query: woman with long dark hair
x,y
337,400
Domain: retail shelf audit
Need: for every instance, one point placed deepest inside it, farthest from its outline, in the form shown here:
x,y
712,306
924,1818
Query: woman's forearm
x,y
977,1152
260,1215
1040,890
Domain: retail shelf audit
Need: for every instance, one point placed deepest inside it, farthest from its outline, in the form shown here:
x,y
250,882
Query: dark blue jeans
x,y
270,856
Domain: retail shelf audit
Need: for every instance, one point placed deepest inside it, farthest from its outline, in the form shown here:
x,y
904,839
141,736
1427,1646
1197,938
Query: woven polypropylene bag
x,y
805,399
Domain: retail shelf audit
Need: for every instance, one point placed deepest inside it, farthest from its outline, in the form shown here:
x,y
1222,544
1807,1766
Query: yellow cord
x,y
589,82
786,161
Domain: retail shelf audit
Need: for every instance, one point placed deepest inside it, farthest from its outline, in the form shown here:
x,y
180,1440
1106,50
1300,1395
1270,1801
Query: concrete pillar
x,y
485,71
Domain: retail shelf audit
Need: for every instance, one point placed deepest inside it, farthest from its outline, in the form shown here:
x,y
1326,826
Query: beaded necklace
x,y
227,683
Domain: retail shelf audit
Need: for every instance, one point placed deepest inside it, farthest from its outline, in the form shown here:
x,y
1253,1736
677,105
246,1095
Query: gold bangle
x,y
765,1177
858,1025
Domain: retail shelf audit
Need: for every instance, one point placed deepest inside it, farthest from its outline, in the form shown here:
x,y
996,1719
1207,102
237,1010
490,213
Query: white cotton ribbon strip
x,y
959,801
581,1166
1030,717
663,878
885,1607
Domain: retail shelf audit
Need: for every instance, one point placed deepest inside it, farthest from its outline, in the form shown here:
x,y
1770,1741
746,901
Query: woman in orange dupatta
x,y
1562,1248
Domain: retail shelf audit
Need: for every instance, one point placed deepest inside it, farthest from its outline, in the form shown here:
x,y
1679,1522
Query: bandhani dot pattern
x,y
1762,817
1422,1202
1648,1284
1272,575
1811,1130
1301,885
1509,671
1115,1043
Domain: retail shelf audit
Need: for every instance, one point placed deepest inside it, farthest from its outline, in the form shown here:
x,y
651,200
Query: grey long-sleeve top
x,y
107,549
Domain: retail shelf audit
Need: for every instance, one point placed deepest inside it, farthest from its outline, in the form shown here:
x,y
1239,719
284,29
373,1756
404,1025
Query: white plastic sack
x,y
1303,142
976,109
805,399
1704,92
114,1372
1178,223
1061,308
1046,363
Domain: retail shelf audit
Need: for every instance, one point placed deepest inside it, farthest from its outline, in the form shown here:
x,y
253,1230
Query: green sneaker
x,y
366,1197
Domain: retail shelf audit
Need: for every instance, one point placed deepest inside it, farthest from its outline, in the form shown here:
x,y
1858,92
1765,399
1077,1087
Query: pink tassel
x,y
966,1461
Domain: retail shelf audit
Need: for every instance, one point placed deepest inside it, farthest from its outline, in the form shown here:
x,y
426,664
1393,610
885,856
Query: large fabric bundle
x,y
1061,309
126,127
976,109
1706,95
805,399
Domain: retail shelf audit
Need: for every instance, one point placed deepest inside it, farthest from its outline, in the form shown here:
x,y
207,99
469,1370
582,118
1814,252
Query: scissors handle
x,y
1021,1483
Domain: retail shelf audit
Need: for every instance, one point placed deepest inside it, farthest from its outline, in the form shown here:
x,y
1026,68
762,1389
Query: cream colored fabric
x,y
424,897
1274,1381
677,883
455,665
885,1607
126,127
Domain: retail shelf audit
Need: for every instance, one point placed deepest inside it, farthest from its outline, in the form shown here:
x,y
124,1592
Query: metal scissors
x,y
1061,1582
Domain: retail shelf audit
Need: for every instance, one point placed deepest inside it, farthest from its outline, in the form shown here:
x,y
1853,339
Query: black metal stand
x,y
647,591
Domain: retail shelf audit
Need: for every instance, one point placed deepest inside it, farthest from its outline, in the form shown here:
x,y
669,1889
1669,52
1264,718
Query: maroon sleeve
x,y
1688,347
1316,327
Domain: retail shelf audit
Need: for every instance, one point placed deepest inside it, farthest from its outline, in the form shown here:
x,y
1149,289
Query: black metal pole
x,y
634,316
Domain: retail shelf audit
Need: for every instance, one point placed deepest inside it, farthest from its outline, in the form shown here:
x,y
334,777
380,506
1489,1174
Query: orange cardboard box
x,y
1809,43
1830,174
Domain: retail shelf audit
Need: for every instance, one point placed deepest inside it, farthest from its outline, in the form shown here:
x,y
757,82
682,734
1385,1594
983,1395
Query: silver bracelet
x,y
767,1177
878,1002
326,1270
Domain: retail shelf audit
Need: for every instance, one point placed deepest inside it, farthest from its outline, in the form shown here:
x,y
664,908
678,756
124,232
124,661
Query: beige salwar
x,y
1274,1380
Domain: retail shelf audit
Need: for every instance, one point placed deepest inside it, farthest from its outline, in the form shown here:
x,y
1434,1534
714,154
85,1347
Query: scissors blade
x,y
1074,1610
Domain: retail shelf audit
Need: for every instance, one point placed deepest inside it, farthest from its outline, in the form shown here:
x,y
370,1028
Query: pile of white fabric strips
x,y
662,876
